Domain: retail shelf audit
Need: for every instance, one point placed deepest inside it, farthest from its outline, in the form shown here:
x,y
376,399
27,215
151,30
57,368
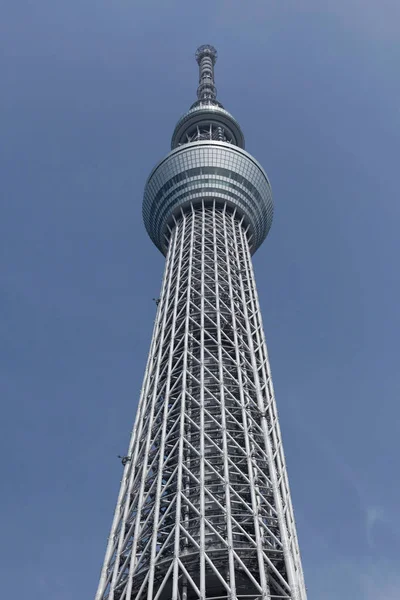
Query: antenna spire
x,y
206,57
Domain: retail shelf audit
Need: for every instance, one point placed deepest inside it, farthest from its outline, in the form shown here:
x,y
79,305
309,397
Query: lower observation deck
x,y
206,172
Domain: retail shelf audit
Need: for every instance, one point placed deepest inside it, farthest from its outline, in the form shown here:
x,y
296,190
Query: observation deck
x,y
207,164
207,171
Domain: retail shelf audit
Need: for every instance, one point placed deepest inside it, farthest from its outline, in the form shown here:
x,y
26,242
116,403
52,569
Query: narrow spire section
x,y
206,57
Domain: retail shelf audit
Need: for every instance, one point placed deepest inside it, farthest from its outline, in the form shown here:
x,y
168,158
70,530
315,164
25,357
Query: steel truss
x,y
204,510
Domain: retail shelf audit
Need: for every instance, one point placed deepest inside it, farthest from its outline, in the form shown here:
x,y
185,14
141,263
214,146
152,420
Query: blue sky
x,y
91,92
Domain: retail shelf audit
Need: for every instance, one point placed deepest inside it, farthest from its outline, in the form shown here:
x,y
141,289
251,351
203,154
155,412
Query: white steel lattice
x,y
204,509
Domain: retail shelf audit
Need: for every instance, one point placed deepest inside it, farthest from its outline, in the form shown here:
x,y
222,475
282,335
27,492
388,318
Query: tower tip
x,y
206,50
206,57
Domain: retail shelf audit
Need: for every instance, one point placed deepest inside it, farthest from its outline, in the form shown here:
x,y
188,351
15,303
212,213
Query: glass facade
x,y
208,171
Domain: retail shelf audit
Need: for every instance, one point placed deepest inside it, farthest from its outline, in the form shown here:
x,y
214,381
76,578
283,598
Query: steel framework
x,y
204,510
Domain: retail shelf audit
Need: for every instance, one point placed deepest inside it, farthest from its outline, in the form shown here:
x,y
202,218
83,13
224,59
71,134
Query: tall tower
x,y
204,510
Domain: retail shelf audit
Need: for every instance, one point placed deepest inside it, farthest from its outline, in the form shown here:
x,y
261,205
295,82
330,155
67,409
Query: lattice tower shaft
x,y
204,509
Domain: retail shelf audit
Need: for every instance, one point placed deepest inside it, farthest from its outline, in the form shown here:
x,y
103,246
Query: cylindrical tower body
x,y
204,510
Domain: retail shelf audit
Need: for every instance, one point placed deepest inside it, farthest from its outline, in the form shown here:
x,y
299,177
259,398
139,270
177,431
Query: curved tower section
x,y
204,510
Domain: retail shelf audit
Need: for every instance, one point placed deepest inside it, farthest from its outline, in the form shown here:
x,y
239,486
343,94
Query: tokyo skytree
x,y
204,510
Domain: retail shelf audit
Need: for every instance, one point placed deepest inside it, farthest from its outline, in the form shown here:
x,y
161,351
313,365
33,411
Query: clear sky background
x,y
91,92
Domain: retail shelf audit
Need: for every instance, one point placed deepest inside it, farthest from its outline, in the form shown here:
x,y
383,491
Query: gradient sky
x,y
91,92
